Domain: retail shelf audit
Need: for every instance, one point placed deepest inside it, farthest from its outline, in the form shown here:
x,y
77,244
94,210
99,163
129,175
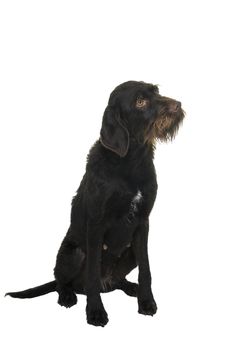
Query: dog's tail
x,y
35,292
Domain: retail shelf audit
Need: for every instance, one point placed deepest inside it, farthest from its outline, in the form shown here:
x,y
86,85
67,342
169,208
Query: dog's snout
x,y
174,106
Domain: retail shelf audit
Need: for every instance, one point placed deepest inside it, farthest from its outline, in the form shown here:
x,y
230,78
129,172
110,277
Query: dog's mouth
x,y
165,127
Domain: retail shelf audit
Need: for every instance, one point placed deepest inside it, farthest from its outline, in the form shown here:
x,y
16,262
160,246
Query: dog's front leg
x,y
146,302
96,314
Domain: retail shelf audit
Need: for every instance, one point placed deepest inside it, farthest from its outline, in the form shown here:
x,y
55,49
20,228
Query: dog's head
x,y
136,111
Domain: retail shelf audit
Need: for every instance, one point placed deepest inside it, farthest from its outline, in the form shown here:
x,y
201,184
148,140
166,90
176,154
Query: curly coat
x,y
108,233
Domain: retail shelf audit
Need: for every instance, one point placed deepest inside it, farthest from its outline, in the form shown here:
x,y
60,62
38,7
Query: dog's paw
x,y
147,307
67,298
97,317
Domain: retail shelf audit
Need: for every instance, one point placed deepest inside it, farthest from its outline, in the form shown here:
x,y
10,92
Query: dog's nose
x,y
174,106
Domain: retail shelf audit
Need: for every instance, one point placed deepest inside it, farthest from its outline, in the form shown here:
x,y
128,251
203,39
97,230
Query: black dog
x,y
108,234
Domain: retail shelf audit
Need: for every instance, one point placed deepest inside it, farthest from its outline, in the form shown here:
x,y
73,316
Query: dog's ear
x,y
114,135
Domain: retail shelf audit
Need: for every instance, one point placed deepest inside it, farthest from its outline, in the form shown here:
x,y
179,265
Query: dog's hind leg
x,y
128,288
125,265
67,297
70,259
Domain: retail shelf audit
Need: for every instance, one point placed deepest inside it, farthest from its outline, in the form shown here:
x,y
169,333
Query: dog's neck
x,y
136,155
138,149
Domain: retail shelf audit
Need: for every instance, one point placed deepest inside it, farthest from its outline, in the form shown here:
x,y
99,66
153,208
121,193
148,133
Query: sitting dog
x,y
108,233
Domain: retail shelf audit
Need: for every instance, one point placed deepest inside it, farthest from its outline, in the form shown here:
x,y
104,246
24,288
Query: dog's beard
x,y
164,128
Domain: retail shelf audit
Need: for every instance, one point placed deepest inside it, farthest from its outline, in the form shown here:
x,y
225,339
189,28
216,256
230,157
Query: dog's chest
x,y
133,209
121,230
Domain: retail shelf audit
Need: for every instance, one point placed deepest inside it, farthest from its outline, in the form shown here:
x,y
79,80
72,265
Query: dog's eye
x,y
141,103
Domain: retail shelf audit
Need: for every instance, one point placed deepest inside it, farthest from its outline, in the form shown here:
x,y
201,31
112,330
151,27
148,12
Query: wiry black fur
x,y
108,234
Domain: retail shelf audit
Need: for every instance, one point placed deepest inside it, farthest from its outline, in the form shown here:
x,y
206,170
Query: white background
x,y
59,62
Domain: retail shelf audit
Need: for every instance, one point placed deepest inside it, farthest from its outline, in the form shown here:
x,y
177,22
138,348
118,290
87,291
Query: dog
x,y
108,234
